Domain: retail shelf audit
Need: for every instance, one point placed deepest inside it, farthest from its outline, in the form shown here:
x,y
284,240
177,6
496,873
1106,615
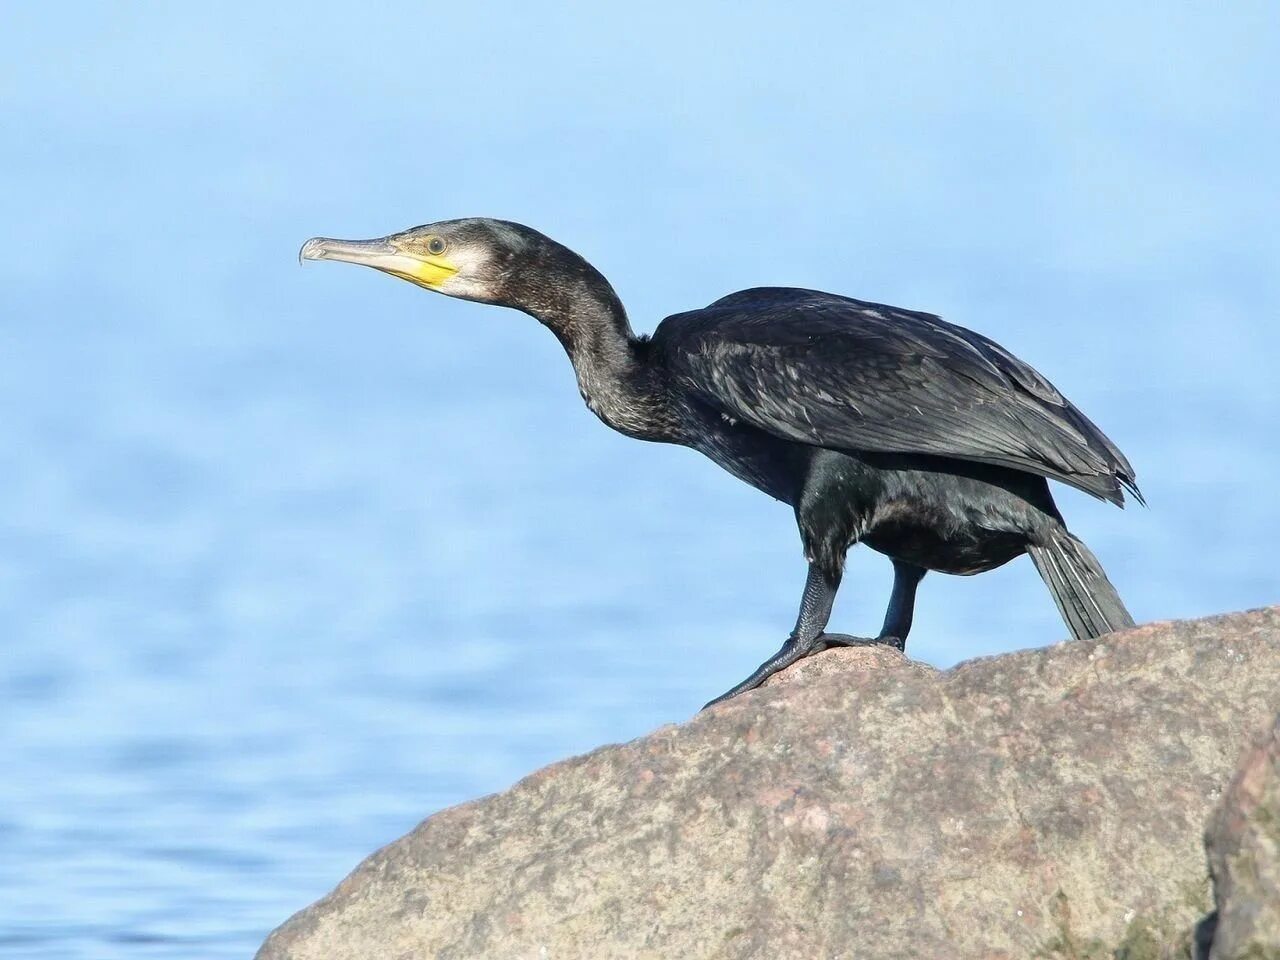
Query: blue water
x,y
294,557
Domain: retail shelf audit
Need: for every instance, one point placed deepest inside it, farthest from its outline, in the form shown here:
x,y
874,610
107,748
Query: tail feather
x,y
1088,602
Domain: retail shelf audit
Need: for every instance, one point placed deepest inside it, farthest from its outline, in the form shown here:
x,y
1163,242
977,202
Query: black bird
x,y
927,442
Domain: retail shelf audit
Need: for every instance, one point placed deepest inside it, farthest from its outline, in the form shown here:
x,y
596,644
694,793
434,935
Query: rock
x,y
1049,803
1243,841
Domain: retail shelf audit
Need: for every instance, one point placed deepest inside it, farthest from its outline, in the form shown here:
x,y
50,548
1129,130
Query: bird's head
x,y
472,259
489,261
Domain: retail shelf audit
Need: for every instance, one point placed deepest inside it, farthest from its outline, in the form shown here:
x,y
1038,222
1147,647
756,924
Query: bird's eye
x,y
435,246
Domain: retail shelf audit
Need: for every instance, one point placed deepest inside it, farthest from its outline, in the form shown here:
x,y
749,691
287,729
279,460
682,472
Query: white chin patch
x,y
460,286
470,262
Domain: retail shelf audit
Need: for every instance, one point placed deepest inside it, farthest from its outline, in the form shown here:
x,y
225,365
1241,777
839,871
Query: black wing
x,y
842,373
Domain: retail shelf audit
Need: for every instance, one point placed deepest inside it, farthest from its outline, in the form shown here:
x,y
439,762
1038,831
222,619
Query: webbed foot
x,y
829,640
797,649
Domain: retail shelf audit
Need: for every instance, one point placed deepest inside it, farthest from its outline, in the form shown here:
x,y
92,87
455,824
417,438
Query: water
x,y
294,557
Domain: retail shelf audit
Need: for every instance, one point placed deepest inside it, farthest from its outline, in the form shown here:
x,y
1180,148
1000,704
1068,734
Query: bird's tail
x,y
1085,597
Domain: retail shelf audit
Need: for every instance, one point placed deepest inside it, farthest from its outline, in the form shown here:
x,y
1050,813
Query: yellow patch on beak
x,y
426,270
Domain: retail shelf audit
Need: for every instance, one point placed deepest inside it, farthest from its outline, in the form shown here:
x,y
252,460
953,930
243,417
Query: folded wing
x,y
846,374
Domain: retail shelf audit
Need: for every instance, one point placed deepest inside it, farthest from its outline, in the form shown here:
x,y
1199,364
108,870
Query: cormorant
x,y
926,441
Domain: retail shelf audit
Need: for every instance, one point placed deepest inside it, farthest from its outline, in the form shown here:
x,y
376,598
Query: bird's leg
x,y
807,637
902,603
897,619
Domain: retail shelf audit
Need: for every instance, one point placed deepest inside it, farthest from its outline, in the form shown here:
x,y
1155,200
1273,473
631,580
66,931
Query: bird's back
x,y
834,371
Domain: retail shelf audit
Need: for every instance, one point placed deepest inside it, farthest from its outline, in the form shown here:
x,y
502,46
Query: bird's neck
x,y
609,361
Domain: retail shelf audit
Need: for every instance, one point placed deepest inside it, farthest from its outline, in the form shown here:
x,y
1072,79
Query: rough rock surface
x,y
1244,855
1048,803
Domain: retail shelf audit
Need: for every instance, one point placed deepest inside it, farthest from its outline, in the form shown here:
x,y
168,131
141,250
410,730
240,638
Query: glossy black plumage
x,y
926,441
845,374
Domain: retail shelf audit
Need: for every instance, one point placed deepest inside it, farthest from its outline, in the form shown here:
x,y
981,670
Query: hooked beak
x,y
387,254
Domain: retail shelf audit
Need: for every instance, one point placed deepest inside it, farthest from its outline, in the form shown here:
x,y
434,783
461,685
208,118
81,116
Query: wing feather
x,y
842,373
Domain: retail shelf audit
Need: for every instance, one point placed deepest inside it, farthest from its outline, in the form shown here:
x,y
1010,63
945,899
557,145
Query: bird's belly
x,y
754,457
941,544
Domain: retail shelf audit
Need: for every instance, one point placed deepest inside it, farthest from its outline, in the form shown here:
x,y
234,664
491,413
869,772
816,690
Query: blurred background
x,y
294,557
